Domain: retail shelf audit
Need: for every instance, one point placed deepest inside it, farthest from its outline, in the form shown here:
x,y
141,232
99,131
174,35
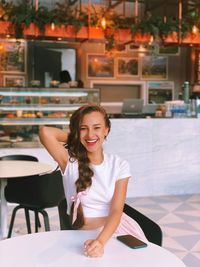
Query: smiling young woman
x,y
95,182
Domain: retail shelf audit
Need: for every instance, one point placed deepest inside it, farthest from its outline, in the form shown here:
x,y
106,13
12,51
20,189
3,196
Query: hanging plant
x,y
122,22
169,26
5,9
65,15
21,15
42,17
189,21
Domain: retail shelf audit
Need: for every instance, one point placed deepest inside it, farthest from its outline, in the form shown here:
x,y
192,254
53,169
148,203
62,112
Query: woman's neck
x,y
96,158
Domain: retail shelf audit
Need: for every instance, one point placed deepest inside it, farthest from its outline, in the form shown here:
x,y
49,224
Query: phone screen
x,y
131,241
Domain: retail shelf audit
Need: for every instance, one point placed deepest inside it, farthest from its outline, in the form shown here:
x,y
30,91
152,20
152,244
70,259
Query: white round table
x,y
21,168
65,248
16,169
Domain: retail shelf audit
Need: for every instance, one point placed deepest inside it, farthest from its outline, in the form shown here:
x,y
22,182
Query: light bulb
x,y
195,30
151,39
52,26
103,23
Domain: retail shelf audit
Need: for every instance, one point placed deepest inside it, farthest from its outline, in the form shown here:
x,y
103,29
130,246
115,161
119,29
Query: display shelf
x,y
34,121
61,107
39,93
24,110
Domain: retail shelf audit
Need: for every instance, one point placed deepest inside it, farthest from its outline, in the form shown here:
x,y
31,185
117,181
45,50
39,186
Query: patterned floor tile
x,y
191,260
173,245
170,206
189,242
196,248
170,219
180,224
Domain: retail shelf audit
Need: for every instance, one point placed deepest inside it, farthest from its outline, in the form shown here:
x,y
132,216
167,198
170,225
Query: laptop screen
x,y
132,106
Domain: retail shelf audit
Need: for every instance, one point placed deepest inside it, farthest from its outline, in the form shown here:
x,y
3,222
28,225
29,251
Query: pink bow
x,y
76,199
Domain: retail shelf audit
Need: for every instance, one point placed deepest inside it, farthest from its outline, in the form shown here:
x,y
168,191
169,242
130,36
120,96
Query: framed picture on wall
x,y
100,66
154,67
10,80
127,66
12,56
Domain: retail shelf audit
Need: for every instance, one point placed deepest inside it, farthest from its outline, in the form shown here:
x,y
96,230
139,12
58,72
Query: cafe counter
x,y
164,154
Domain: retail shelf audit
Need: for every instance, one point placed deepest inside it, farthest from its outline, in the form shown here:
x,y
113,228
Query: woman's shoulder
x,y
118,165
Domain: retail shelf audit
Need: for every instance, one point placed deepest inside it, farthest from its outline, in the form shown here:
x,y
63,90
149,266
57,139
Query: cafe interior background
x,y
155,34
136,49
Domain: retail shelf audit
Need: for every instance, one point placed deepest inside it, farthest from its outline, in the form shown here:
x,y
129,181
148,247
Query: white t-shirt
x,y
96,201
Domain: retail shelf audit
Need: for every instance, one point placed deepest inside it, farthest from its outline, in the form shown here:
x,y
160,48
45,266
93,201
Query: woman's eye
x,y
82,129
96,128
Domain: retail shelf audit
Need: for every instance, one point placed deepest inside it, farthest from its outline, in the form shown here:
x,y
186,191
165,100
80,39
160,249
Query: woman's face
x,y
93,131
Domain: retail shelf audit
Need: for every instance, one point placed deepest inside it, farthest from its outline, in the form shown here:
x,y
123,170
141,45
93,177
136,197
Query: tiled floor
x,y
178,216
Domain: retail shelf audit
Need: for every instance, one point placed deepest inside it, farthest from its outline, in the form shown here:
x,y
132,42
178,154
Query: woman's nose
x,y
90,133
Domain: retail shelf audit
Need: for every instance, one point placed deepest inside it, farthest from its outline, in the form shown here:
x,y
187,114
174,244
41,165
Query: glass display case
x,y
23,110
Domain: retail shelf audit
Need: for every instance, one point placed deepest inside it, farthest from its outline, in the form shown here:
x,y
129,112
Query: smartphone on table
x,y
132,241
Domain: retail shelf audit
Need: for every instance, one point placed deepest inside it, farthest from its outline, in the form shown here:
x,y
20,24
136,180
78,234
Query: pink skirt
x,y
129,226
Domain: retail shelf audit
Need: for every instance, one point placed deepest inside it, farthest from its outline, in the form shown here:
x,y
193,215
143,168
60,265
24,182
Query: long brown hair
x,y
78,152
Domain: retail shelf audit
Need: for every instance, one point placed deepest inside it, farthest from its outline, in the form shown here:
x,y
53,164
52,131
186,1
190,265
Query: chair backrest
x,y
151,229
50,189
19,157
37,191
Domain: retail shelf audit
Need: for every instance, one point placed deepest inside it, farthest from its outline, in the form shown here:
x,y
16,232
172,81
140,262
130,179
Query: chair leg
x,y
64,218
12,220
37,221
46,220
28,224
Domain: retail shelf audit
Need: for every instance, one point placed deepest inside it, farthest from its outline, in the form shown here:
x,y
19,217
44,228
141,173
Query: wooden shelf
x,y
93,34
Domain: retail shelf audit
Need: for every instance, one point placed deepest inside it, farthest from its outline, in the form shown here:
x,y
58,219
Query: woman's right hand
x,y
93,248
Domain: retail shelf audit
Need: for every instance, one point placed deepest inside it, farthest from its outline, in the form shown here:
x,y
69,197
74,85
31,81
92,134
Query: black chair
x,y
19,157
151,229
34,193
63,216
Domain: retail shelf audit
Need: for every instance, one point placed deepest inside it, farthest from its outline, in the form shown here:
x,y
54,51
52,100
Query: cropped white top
x,y
96,201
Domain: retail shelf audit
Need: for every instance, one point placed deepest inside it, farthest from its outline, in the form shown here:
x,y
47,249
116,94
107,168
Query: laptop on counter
x,y
132,107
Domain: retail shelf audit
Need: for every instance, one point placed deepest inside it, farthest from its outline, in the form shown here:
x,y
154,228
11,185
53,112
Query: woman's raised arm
x,y
53,139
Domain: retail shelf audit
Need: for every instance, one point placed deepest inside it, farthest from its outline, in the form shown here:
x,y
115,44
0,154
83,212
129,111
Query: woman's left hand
x,y
93,248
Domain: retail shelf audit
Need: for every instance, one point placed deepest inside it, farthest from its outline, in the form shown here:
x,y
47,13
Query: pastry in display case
x,y
23,110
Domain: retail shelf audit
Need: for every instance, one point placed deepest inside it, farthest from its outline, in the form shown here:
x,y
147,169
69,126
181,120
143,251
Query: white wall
x,y
68,61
